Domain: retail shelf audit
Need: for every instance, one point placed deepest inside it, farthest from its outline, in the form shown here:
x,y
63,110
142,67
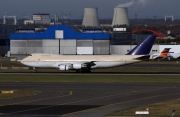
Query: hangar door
x,y
84,46
59,34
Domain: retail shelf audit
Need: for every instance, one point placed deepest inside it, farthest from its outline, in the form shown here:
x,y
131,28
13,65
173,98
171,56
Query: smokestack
x,y
120,16
91,17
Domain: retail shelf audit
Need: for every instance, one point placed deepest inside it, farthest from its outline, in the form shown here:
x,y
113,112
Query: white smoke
x,y
128,4
132,3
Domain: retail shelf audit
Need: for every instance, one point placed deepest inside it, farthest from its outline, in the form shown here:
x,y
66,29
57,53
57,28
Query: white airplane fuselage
x,y
99,61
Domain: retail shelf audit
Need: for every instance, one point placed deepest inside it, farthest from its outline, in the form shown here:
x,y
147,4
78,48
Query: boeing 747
x,y
84,63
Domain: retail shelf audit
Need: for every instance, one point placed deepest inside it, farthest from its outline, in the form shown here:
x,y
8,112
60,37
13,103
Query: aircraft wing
x,y
89,64
77,65
155,56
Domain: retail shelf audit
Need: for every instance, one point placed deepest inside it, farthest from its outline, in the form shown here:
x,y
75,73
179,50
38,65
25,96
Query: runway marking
x,y
70,93
118,103
66,103
117,95
85,100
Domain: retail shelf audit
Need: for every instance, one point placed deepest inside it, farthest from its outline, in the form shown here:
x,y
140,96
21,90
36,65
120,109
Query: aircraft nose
x,y
23,62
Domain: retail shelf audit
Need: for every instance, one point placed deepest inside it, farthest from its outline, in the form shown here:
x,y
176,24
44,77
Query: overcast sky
x,y
143,8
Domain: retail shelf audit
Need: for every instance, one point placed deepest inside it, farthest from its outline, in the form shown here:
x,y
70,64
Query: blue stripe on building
x,y
69,33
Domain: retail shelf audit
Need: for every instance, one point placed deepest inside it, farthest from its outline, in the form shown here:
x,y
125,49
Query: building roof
x,y
41,14
68,33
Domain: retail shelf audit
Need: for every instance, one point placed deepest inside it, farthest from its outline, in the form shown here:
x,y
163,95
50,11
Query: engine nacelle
x,y
64,67
77,66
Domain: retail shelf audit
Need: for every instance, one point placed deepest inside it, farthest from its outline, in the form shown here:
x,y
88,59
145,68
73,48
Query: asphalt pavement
x,y
83,99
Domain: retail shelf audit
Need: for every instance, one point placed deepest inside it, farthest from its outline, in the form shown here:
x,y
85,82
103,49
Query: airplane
x,y
162,55
172,55
85,63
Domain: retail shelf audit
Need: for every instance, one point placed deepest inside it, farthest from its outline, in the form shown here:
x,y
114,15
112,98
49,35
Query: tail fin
x,y
144,47
164,53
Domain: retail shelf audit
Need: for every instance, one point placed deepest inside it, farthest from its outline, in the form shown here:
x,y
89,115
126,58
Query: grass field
x,y
90,78
143,67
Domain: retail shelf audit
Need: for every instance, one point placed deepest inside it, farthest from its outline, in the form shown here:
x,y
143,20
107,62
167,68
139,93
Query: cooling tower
x,y
91,17
120,16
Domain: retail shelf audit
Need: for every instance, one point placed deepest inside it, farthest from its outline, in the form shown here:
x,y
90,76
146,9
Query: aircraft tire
x,y
78,71
83,71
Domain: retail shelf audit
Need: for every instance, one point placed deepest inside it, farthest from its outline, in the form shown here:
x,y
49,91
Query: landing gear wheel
x,y
83,71
86,71
34,69
78,71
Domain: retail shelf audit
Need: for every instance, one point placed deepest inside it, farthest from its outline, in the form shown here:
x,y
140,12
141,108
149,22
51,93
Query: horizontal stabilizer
x,y
143,58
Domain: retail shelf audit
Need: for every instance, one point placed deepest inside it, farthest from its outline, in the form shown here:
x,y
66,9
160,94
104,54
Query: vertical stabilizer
x,y
164,53
144,47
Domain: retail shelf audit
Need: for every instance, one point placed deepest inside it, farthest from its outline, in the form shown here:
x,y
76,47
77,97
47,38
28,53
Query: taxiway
x,y
83,99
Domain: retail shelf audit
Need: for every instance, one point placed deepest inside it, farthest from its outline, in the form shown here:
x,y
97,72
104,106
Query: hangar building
x,y
68,40
59,39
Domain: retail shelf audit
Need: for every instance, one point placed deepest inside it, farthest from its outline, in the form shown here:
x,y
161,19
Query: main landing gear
x,y
34,69
83,71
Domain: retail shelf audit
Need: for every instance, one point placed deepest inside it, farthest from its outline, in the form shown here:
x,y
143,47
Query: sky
x,y
143,8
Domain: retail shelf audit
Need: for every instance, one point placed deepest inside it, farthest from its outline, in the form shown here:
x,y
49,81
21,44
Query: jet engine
x,y
78,66
64,67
